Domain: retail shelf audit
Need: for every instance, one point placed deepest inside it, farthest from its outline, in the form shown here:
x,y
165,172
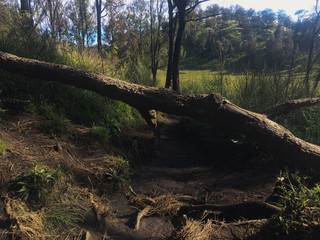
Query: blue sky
x,y
290,6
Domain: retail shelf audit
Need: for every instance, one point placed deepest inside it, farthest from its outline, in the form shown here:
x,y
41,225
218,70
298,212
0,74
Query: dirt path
x,y
208,169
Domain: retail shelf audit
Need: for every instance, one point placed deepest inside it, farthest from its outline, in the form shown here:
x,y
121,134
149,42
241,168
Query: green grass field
x,y
201,81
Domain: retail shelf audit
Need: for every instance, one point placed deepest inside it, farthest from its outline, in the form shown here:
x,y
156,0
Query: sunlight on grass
x,y
202,81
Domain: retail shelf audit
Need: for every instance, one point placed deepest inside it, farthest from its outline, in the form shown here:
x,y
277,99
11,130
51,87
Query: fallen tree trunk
x,y
212,108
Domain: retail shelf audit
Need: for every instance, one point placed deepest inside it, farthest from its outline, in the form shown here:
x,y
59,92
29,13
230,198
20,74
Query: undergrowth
x,y
300,207
48,206
37,183
3,146
119,173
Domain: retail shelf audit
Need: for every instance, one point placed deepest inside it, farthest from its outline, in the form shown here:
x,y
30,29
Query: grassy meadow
x,y
256,92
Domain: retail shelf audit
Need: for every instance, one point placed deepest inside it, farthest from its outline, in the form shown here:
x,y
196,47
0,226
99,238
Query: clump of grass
x,y
58,220
62,217
55,123
101,133
197,229
119,174
3,146
37,183
300,207
58,126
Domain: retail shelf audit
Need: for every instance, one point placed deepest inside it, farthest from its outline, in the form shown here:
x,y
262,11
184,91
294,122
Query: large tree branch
x,y
290,106
204,17
211,108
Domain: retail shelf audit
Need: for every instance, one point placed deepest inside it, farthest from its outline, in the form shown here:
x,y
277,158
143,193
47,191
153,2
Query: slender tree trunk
x,y
26,14
98,8
52,19
170,52
177,46
152,45
315,32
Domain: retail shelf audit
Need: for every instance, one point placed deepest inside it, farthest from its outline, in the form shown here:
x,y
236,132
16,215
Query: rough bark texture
x,y
98,8
290,106
211,108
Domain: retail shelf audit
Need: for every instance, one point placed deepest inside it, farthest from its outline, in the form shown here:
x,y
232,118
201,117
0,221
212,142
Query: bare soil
x,y
208,169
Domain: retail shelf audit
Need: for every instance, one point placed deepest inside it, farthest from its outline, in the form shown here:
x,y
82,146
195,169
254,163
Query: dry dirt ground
x,y
183,169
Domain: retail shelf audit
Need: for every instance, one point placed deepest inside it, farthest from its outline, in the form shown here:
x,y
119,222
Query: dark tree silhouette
x,y
183,9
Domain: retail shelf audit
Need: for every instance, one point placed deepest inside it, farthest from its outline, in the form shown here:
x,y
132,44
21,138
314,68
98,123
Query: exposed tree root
x,y
141,214
247,210
102,213
177,205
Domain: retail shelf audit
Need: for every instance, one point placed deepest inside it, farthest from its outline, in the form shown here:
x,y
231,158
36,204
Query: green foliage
x,y
36,184
304,123
300,206
119,174
101,133
138,71
3,146
57,126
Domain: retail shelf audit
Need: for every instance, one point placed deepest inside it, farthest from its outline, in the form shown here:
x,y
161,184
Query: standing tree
x,y
314,35
82,22
183,9
156,36
57,19
108,7
26,14
99,13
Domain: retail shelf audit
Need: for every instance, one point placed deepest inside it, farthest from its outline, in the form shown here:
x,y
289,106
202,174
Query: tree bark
x,y
177,47
98,8
171,40
290,106
212,108
26,14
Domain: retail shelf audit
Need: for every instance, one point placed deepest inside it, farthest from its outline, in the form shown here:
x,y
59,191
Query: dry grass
x,y
204,229
58,220
28,224
198,229
83,164
163,205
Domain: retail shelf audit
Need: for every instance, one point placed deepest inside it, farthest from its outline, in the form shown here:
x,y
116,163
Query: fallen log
x,y
212,108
